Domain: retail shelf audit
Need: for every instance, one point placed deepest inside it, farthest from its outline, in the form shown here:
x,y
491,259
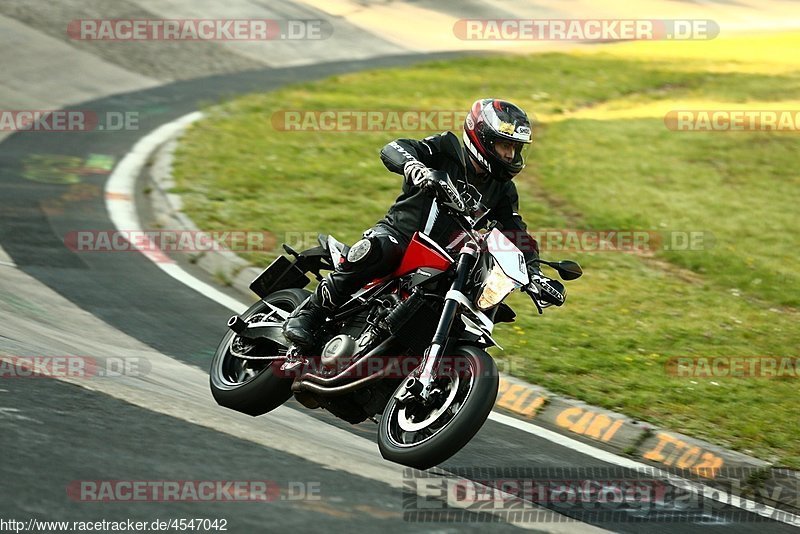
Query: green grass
x,y
630,313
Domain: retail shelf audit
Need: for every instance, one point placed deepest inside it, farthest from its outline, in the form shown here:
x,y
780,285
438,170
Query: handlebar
x,y
446,191
451,199
544,291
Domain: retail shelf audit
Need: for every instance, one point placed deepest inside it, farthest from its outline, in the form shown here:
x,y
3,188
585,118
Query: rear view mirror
x,y
567,269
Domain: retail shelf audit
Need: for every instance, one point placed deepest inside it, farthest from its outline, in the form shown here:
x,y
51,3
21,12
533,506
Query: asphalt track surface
x,y
56,432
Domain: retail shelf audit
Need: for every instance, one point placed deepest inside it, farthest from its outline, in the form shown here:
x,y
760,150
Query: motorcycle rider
x,y
495,137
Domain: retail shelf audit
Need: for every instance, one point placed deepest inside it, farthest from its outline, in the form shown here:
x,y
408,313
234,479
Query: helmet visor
x,y
510,152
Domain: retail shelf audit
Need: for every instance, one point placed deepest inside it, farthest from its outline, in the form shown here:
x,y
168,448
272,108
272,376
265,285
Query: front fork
x,y
420,384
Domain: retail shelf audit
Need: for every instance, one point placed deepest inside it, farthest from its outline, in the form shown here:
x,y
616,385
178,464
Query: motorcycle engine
x,y
340,348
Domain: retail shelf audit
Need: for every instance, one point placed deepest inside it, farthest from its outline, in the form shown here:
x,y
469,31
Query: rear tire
x,y
251,386
442,438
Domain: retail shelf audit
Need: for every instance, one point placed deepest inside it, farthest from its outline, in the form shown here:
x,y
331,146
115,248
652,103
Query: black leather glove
x,y
548,290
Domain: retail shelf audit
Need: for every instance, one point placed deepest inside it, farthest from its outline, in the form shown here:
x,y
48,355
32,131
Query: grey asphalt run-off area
x,y
158,421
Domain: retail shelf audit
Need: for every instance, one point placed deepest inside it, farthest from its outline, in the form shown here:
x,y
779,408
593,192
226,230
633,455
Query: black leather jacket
x,y
414,210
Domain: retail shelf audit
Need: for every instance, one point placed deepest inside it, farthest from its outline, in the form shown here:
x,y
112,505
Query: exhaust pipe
x,y
342,376
333,391
237,324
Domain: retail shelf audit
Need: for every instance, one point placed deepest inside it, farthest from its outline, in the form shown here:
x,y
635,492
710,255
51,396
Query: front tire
x,y
251,386
422,437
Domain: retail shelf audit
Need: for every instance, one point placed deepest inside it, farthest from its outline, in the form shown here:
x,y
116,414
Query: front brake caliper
x,y
411,390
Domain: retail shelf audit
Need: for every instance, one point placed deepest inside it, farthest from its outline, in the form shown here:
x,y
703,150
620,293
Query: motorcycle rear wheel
x,y
252,386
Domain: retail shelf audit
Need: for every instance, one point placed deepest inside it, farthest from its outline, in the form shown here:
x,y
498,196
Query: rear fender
x,y
281,274
284,273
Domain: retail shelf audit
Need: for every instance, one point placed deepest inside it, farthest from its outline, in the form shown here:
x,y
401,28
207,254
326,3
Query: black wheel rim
x,y
412,424
232,371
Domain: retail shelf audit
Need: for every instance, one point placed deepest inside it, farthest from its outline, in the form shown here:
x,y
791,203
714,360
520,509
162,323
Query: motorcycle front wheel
x,y
422,435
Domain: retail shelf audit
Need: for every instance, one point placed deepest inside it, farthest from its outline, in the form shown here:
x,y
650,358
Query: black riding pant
x,y
377,255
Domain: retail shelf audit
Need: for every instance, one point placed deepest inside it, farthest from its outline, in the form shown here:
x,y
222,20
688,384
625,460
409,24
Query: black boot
x,y
303,326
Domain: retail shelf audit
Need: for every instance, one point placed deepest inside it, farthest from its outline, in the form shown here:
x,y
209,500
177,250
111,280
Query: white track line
x,y
121,207
122,211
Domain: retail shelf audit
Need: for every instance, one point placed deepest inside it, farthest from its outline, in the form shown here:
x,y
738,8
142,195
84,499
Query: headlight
x,y
496,288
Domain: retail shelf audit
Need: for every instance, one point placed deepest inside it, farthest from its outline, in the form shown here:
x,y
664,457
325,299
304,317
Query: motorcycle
x,y
407,351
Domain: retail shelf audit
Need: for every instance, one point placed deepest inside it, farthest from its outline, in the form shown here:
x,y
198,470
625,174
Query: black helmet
x,y
491,120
